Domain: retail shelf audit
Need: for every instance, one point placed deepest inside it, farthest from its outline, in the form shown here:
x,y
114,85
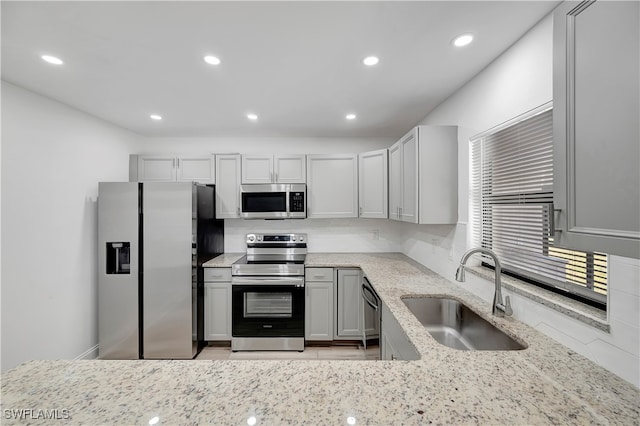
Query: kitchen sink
x,y
455,325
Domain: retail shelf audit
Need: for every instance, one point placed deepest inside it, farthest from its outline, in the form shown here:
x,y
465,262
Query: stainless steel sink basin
x,y
455,325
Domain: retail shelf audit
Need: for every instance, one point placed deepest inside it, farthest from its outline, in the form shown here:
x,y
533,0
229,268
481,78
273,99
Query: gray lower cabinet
x,y
394,342
319,312
349,305
217,304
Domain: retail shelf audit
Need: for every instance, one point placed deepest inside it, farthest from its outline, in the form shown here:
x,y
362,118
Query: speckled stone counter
x,y
224,260
546,383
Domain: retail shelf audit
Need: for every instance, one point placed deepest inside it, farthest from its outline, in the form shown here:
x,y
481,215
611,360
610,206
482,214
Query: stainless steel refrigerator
x,y
152,241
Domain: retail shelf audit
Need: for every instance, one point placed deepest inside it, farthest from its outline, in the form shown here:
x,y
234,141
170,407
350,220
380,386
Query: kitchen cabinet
x,y
332,186
423,176
394,342
349,305
373,186
171,168
217,304
403,179
228,186
279,168
595,126
319,313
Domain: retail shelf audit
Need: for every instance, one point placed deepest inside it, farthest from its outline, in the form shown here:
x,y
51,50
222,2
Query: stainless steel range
x,y
268,293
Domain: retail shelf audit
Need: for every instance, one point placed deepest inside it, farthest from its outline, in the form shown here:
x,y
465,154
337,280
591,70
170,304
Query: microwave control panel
x,y
296,202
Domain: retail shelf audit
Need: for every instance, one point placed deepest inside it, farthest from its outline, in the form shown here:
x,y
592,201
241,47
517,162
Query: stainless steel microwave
x,y
273,201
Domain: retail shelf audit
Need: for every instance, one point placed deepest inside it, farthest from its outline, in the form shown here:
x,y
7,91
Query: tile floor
x,y
354,352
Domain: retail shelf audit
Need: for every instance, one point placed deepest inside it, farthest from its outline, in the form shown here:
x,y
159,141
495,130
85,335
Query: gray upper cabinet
x,y
595,130
228,186
423,176
332,186
171,168
281,168
372,181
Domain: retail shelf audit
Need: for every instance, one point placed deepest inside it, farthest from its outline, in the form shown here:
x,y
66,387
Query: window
x,y
512,209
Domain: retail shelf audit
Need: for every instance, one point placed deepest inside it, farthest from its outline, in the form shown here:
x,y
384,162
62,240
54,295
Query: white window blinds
x,y
512,207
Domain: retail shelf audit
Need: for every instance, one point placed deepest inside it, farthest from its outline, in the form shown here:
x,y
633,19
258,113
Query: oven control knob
x,y
259,237
251,238
293,239
301,238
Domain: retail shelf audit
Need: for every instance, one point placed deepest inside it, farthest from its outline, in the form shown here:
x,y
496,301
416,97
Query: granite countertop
x,y
546,383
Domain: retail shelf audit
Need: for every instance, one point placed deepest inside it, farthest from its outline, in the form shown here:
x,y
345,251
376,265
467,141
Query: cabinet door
x,y
332,186
349,304
257,169
395,344
227,186
395,181
409,190
595,126
372,168
438,174
156,168
319,315
196,169
290,169
217,311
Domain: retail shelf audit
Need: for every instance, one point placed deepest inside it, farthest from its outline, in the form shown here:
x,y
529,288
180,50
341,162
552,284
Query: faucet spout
x,y
499,308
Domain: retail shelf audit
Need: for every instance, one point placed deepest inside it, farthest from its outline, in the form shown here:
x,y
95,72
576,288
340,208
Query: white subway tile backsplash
x,y
624,275
624,336
622,363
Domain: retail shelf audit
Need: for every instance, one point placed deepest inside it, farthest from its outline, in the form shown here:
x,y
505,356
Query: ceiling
x,y
297,65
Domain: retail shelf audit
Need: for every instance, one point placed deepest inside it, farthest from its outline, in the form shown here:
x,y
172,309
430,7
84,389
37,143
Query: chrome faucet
x,y
500,309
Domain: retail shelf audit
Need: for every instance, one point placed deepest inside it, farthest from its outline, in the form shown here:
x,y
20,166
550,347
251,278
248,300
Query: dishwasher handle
x,y
366,289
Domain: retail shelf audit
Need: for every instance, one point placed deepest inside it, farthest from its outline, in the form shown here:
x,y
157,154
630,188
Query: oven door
x,y
267,307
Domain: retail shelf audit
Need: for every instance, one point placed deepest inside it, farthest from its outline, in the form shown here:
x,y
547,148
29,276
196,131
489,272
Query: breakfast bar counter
x,y
546,383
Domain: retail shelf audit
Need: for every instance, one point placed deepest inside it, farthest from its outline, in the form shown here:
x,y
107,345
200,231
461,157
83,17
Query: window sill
x,y
589,315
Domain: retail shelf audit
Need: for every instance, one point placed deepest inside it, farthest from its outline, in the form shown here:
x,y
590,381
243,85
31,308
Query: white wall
x,y
516,82
52,160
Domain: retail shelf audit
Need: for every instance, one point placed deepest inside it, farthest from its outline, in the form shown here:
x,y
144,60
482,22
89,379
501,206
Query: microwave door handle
x,y
288,196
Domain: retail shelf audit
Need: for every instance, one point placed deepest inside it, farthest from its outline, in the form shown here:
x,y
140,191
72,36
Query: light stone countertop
x,y
546,383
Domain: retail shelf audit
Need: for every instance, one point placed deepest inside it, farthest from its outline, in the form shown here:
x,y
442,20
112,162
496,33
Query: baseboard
x,y
91,353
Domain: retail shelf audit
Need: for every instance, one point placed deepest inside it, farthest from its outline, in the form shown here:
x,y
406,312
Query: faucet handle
x,y
507,306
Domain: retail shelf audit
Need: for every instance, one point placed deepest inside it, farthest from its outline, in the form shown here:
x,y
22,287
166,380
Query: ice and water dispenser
x,y
118,257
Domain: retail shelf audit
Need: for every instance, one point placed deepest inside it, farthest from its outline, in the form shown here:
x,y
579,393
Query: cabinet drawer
x,y
318,274
217,274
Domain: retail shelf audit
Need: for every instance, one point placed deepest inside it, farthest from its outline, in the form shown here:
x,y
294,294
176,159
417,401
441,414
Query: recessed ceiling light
x,y
371,61
155,117
350,117
462,40
252,117
52,59
213,60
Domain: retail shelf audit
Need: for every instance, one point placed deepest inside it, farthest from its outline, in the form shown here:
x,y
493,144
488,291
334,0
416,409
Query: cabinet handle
x,y
238,211
360,211
551,213
177,162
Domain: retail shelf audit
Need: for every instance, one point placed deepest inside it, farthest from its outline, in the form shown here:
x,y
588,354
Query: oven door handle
x,y
284,281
